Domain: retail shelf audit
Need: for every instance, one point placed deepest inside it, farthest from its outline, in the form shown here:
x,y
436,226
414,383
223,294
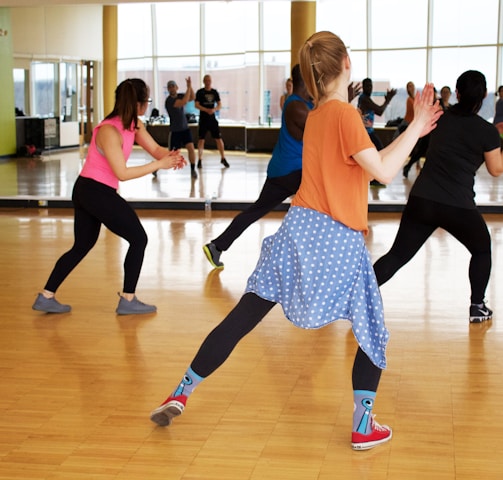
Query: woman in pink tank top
x,y
96,200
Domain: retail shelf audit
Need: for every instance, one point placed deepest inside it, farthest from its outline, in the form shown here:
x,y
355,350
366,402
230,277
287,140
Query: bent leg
x,y
470,228
417,224
273,193
86,230
120,218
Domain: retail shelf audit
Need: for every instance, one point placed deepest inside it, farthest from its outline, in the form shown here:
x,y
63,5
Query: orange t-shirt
x,y
332,182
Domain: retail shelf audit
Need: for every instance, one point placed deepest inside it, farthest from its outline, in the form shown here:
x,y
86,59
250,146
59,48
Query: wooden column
x,y
110,41
303,25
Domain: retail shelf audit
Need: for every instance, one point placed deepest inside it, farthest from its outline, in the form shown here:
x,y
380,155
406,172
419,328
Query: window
x,y
245,46
222,39
20,95
45,93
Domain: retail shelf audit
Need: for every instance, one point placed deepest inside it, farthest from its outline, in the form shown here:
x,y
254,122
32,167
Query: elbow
x,y
495,173
122,176
384,179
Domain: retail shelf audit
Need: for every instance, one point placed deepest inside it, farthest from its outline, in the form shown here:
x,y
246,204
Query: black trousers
x,y
96,204
274,191
242,319
420,219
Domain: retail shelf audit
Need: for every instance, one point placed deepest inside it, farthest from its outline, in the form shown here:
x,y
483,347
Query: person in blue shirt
x,y
284,170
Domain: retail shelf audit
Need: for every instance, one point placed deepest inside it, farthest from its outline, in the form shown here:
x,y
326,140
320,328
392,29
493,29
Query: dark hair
x,y
127,96
472,89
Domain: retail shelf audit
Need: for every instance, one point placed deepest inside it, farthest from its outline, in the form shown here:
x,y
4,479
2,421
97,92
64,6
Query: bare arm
x,y
188,96
368,104
209,111
295,118
494,162
383,165
109,140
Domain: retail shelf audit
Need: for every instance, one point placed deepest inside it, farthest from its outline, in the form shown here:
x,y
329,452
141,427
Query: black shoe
x,y
225,163
480,313
213,255
199,164
376,184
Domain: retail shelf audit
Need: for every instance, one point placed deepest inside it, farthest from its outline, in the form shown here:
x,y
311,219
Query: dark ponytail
x,y
127,96
471,87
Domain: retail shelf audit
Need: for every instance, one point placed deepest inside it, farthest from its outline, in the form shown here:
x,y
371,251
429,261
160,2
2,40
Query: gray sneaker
x,y
133,307
213,255
49,305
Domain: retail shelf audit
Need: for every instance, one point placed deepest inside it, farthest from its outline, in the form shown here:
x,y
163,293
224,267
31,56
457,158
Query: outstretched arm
x,y
384,165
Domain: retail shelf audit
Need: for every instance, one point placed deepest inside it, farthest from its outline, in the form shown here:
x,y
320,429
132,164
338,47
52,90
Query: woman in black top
x,y
443,195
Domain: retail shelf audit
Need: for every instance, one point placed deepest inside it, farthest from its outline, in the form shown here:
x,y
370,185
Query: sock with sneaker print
x,y
364,401
175,404
189,382
367,433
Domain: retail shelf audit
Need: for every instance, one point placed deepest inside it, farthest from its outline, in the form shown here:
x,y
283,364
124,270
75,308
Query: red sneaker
x,y
170,408
379,434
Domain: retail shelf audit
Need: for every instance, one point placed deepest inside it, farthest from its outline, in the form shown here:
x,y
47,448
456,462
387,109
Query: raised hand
x,y
390,94
354,89
427,109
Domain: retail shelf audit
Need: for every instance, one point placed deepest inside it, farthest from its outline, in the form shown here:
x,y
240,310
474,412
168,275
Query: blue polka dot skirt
x,y
320,271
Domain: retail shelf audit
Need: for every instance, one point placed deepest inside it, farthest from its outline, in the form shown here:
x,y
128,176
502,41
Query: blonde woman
x,y
317,265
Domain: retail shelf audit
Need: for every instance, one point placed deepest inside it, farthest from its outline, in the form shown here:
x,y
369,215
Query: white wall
x,y
57,32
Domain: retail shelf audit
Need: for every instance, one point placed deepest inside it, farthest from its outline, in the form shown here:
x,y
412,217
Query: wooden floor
x,y
77,388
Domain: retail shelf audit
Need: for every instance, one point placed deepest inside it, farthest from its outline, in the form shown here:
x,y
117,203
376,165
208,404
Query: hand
x,y
173,159
427,109
354,89
390,94
189,82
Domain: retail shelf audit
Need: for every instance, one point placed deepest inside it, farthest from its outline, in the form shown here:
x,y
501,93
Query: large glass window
x,y
20,93
178,28
245,46
346,19
223,26
45,93
464,22
135,30
398,24
276,26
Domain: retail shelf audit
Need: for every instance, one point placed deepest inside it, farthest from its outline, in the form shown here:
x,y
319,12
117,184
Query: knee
x,y
139,240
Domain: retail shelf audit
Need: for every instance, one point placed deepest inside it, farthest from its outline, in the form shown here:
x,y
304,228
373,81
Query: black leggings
x,y
420,219
274,191
245,316
96,204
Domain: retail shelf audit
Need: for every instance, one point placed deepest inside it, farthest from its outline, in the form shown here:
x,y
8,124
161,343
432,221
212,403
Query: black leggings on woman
x,y
420,219
245,316
96,204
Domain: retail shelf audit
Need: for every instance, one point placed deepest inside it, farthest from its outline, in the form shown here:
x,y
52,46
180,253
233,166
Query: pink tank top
x,y
96,165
